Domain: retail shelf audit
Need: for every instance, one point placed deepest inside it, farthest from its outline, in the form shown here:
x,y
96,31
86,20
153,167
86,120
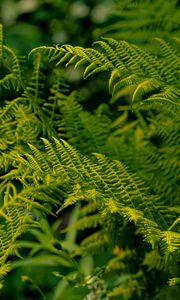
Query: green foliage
x,y
37,22
139,21
91,195
129,66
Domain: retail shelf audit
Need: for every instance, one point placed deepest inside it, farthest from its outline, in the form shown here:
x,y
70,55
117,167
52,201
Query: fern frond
x,y
174,281
170,241
36,83
95,242
4,269
152,21
14,221
154,260
129,65
12,78
86,131
119,191
51,53
92,221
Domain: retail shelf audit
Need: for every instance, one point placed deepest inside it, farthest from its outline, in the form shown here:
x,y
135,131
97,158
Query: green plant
x,y
117,166
140,21
36,23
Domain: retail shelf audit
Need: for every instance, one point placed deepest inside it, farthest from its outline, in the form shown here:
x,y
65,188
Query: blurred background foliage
x,y
32,23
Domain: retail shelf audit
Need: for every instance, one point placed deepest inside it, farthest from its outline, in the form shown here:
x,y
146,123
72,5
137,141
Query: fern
x,y
110,180
140,21
117,167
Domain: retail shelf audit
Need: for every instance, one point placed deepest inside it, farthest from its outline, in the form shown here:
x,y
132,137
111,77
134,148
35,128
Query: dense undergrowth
x,y
89,190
